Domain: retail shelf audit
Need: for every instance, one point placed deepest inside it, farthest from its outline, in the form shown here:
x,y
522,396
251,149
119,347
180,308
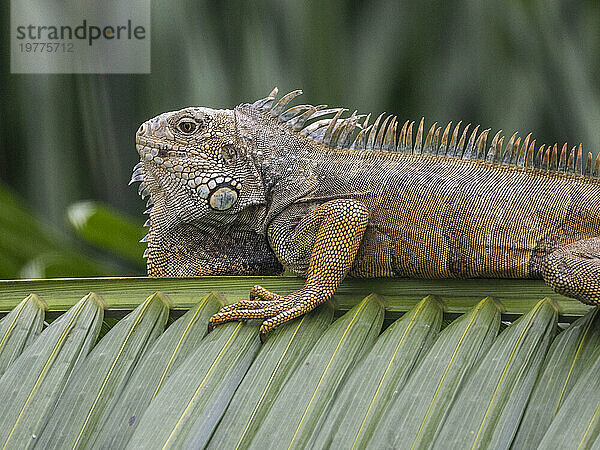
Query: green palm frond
x,y
440,371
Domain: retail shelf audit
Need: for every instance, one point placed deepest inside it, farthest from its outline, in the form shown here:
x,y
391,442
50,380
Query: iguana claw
x,y
263,338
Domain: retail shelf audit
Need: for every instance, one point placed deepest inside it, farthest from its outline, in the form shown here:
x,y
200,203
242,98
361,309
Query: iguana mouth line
x,y
157,152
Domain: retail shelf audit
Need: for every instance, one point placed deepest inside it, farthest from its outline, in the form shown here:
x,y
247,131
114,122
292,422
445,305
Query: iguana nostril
x,y
142,130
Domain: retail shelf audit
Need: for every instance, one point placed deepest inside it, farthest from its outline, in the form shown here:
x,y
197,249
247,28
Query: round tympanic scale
x,y
223,198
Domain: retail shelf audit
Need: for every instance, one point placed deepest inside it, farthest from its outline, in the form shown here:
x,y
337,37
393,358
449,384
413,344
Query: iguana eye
x,y
187,126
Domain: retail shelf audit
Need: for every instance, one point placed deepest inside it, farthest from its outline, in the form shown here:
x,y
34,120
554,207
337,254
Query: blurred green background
x,y
513,65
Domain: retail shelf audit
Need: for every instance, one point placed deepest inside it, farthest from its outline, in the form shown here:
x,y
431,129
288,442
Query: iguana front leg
x,y
331,234
574,270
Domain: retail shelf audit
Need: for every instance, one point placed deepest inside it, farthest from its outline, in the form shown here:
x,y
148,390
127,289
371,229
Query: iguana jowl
x,y
262,187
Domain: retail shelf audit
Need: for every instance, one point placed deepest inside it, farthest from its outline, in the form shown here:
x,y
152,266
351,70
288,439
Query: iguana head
x,y
209,173
194,168
201,180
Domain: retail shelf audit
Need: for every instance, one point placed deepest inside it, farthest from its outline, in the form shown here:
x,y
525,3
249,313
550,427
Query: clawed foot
x,y
276,309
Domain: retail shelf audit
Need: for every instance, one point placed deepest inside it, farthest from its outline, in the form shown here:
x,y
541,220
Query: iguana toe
x,y
294,305
247,310
260,292
247,304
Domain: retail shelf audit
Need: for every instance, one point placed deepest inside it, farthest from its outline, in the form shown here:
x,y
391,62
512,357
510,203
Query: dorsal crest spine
x,y
383,135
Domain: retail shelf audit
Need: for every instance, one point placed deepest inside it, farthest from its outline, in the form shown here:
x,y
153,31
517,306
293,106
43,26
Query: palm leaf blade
x,y
306,396
374,382
31,386
19,328
413,418
497,390
567,359
188,407
103,375
253,386
577,422
280,355
166,354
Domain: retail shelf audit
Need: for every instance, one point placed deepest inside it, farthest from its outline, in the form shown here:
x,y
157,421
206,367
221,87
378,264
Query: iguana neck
x,y
191,251
287,166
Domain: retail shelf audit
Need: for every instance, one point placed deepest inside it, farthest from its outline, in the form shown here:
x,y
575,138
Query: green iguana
x,y
262,187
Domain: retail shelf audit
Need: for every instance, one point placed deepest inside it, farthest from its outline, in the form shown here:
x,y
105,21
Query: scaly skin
x,y
241,191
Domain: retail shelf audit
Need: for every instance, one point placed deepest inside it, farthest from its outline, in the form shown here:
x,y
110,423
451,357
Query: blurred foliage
x,y
107,229
526,65
29,249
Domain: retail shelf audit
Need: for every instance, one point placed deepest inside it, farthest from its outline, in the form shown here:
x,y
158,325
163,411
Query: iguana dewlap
x,y
262,187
